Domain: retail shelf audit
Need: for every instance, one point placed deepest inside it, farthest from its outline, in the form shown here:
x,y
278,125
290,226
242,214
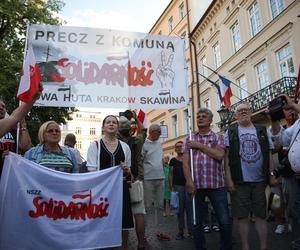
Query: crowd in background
x,y
227,176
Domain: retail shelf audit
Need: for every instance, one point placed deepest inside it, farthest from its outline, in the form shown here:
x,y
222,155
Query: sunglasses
x,y
50,131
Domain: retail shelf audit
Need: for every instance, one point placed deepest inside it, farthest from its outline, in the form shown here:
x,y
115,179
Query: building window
x,y
161,124
92,116
78,115
186,41
181,11
227,10
78,131
78,145
170,22
174,126
92,131
207,104
217,55
242,87
254,17
186,121
236,37
277,6
262,74
203,69
285,61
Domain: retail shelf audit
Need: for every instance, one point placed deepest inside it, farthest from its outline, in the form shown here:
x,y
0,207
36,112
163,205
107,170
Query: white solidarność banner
x,y
87,67
44,209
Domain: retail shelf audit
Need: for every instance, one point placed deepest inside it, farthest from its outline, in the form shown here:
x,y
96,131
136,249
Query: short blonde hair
x,y
43,129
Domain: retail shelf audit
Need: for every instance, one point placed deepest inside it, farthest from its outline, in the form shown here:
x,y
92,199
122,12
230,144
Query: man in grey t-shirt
x,y
248,164
154,178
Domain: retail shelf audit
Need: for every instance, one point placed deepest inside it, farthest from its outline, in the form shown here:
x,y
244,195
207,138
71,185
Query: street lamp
x,y
225,116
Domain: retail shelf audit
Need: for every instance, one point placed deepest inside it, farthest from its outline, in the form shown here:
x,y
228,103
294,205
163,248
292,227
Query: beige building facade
x,y
253,43
174,22
87,128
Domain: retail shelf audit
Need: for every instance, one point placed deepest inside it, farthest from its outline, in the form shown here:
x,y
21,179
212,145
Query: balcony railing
x,y
260,99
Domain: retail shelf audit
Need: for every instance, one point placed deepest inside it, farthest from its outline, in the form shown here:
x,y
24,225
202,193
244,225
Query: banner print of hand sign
x,y
164,72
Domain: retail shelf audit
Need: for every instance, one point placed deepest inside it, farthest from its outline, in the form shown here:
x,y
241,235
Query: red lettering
x,y
54,209
111,74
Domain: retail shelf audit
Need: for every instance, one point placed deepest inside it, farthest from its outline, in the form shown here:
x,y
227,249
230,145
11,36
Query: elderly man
x,y
154,178
208,152
249,168
70,142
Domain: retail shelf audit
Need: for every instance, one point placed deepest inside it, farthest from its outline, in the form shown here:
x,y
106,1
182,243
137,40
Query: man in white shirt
x,y
290,138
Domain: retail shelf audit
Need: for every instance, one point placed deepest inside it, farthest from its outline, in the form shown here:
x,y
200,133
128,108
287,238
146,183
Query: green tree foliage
x,y
14,17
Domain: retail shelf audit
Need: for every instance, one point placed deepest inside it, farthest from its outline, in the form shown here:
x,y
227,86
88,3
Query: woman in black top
x,y
114,152
185,203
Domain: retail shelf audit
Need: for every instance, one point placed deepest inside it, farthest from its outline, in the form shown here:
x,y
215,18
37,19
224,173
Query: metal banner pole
x,y
191,159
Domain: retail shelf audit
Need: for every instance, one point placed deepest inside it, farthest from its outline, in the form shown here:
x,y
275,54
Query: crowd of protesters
x,y
207,167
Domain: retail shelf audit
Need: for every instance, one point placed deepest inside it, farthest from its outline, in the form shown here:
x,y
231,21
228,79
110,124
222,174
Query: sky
x,y
128,15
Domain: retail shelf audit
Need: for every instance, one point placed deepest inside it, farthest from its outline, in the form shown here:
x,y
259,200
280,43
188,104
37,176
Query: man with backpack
x,y
248,169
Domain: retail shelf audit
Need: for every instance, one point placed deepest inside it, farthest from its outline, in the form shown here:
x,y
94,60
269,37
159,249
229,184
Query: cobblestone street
x,y
168,225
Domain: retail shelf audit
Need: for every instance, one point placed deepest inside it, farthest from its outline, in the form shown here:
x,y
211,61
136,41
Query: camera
x,y
276,108
127,113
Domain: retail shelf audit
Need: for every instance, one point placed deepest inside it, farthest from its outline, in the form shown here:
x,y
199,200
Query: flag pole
x,y
217,84
230,80
191,159
25,51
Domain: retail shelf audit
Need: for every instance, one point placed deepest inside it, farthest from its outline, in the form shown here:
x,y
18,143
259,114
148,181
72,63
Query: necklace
x,y
110,142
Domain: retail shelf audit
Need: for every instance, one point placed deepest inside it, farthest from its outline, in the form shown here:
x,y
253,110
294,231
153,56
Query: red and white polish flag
x,y
31,77
142,118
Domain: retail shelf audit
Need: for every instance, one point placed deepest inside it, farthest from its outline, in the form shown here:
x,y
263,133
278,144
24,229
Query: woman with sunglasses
x,y
49,153
108,152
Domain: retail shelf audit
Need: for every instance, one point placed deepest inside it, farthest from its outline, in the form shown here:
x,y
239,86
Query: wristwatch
x,y
272,173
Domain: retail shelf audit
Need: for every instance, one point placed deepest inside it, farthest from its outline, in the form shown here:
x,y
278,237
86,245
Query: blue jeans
x,y
218,199
185,206
209,216
296,220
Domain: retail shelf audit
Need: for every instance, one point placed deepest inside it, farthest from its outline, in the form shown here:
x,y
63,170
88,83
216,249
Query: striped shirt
x,y
56,161
208,172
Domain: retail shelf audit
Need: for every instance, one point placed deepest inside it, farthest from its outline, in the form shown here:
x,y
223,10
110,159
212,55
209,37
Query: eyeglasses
x,y
243,110
202,116
50,131
178,146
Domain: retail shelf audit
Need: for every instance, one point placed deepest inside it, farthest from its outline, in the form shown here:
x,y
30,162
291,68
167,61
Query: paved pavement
x,y
168,225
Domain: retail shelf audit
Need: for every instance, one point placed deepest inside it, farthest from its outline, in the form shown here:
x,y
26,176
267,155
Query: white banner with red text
x,y
44,209
100,68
